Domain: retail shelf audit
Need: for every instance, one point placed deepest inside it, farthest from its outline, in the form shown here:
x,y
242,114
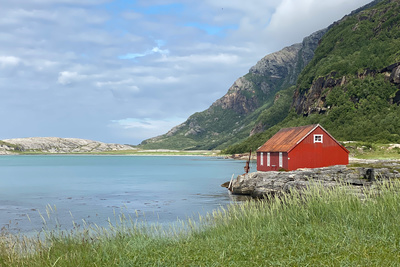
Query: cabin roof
x,y
287,138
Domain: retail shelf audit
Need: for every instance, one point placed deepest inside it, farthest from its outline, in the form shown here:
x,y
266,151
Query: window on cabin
x,y
262,158
318,138
280,160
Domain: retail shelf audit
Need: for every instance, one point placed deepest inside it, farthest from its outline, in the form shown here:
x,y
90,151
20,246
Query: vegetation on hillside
x,y
278,111
372,119
219,122
368,40
215,128
362,109
269,118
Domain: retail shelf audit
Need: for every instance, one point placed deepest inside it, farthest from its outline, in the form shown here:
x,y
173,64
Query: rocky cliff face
x,y
313,100
288,63
237,97
273,72
57,145
278,65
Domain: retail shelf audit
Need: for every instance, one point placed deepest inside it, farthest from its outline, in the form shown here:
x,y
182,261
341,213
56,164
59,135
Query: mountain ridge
x,y
232,117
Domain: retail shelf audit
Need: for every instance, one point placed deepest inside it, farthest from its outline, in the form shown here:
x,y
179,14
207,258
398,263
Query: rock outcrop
x,y
237,98
273,72
313,100
269,184
57,145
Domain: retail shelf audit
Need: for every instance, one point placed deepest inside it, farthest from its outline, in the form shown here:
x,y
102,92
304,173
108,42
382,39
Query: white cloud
x,y
154,50
122,90
51,2
293,19
203,59
68,77
145,123
125,93
114,84
7,61
159,80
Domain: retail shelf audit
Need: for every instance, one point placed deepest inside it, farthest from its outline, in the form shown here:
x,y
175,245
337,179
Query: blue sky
x,y
123,71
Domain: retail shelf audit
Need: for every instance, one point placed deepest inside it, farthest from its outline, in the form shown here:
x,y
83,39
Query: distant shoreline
x,y
123,153
77,146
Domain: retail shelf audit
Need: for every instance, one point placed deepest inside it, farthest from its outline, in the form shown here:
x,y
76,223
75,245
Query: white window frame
x,y
262,159
280,160
318,138
268,159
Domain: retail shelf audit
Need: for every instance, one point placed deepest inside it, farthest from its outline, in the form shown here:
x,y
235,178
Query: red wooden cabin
x,y
301,147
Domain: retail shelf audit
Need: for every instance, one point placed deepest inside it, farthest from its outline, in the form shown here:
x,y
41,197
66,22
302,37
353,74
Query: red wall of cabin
x,y
274,161
308,154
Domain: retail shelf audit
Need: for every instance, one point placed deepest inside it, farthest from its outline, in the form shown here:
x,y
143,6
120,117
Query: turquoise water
x,y
161,189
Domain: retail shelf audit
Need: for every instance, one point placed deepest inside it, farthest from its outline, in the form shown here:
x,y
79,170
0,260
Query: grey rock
x,y
278,64
395,75
267,184
235,99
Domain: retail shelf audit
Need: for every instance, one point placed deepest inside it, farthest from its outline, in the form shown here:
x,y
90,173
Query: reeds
x,y
316,227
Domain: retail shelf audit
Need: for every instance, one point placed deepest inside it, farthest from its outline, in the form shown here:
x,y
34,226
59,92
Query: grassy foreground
x,y
320,228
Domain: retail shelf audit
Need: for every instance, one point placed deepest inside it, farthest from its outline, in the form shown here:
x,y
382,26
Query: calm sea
x,y
66,188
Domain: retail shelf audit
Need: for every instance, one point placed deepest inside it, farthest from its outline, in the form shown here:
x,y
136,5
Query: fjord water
x,y
62,189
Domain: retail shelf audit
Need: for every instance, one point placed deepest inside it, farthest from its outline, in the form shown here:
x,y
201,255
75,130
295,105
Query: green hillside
x,y
215,128
351,86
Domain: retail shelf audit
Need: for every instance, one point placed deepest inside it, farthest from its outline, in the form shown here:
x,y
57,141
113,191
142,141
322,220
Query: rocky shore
x,y
57,145
269,184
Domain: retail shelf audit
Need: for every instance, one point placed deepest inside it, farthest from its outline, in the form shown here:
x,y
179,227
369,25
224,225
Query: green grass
x,y
319,228
367,150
